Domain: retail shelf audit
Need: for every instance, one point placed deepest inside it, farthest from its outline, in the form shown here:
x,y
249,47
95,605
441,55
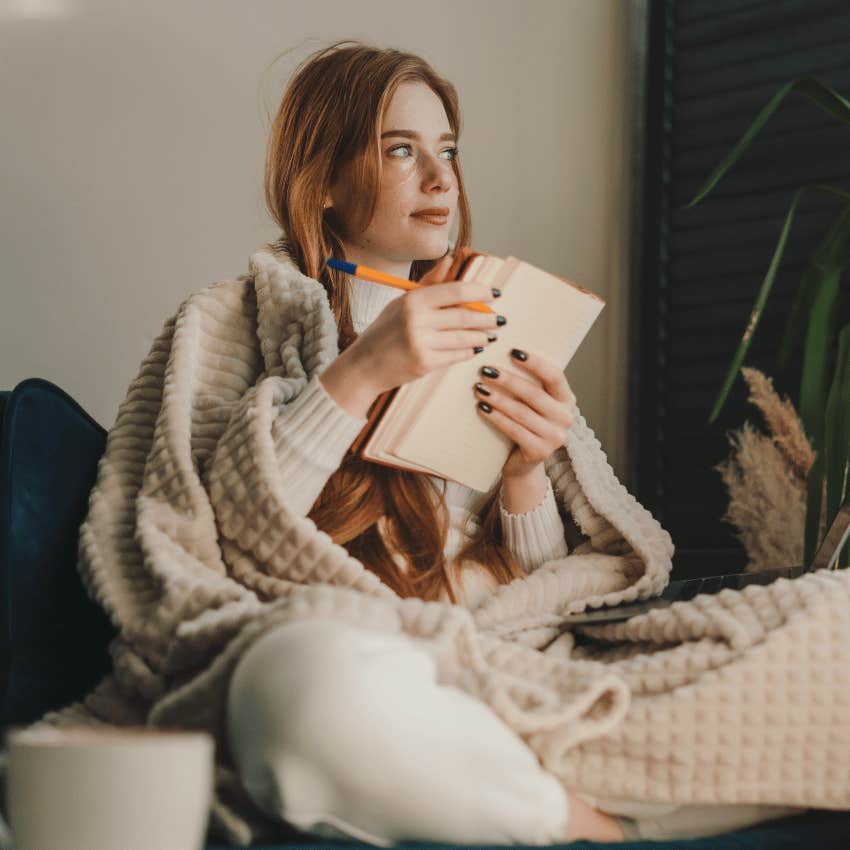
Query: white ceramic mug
x,y
84,788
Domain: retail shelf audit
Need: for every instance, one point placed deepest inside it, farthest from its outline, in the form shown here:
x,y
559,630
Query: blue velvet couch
x,y
53,638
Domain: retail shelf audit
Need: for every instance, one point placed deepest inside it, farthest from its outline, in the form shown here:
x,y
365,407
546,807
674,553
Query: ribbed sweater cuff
x,y
536,536
313,433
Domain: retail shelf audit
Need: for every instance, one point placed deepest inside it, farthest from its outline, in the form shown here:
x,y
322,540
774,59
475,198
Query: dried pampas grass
x,y
766,479
782,421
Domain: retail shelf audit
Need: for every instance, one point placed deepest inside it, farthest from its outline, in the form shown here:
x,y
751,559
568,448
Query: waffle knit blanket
x,y
188,545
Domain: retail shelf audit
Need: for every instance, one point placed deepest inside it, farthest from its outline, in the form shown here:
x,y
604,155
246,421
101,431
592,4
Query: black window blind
x,y
711,66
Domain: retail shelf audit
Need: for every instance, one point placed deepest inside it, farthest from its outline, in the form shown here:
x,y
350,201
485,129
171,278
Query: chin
x,y
432,249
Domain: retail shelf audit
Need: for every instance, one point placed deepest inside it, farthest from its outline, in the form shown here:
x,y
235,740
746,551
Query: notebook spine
x,y
374,416
456,270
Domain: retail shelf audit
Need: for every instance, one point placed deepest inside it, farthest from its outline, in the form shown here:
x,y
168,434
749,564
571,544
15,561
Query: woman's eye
x,y
453,151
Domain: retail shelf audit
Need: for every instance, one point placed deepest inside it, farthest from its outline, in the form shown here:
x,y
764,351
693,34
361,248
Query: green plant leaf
x,y
837,439
755,315
830,255
814,499
812,398
805,291
821,94
828,262
795,325
833,250
819,335
808,285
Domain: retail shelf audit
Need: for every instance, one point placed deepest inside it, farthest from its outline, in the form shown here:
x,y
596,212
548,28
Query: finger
x,y
454,292
548,431
444,340
530,394
531,445
450,356
463,317
550,374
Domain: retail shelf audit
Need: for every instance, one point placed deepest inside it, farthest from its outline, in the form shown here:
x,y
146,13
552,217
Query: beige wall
x,y
132,175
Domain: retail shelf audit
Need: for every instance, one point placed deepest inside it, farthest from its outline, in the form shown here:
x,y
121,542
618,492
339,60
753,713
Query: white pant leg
x,y
698,821
640,819
344,732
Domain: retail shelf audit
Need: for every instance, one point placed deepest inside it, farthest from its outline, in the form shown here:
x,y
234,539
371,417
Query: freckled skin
x,y
420,175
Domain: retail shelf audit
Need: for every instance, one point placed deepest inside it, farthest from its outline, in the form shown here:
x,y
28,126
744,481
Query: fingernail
x,y
520,355
489,372
501,320
478,349
492,338
496,292
482,389
484,406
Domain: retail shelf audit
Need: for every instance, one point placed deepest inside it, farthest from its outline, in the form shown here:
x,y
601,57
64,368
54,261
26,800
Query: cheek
x,y
399,194
397,178
407,176
394,205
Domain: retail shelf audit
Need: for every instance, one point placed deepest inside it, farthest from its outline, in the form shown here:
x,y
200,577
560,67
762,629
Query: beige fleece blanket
x,y
742,697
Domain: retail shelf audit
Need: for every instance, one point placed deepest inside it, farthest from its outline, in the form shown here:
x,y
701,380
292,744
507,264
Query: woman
x,y
365,139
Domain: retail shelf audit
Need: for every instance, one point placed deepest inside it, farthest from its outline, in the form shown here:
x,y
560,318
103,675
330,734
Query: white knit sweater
x,y
317,432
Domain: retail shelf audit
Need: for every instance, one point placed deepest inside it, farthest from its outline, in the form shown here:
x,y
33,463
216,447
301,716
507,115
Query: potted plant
x,y
824,399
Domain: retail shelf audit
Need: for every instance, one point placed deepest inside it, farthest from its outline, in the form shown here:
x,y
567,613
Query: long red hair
x,y
330,116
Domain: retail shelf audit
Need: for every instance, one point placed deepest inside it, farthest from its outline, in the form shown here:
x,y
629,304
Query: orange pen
x,y
374,276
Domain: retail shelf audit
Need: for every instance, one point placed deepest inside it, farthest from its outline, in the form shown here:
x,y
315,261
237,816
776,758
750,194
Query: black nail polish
x,y
501,320
496,292
482,389
491,337
478,349
484,406
519,354
489,372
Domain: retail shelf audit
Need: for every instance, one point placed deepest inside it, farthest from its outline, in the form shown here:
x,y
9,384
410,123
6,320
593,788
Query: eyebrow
x,y
412,134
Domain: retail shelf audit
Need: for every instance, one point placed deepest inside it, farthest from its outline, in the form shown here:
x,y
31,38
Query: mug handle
x,y
7,842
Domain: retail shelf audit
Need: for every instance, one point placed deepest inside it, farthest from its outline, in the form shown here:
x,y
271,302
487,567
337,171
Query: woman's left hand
x,y
535,417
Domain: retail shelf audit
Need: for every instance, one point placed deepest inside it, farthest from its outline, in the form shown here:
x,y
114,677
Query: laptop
x,y
684,589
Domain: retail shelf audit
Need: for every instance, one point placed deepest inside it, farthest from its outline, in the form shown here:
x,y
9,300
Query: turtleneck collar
x,y
367,301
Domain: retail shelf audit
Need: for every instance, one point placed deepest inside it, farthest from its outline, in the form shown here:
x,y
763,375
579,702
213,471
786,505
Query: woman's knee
x,y
298,706
296,686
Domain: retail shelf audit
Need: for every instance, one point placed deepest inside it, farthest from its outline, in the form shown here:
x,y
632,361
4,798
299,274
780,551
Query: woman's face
x,y
416,173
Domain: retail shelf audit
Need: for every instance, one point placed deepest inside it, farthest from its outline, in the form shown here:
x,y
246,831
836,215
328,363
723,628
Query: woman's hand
x,y
535,417
425,329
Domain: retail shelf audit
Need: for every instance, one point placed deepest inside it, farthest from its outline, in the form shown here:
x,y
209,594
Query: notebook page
x,y
450,435
404,409
407,403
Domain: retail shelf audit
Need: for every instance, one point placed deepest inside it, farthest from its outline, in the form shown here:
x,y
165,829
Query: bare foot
x,y
587,822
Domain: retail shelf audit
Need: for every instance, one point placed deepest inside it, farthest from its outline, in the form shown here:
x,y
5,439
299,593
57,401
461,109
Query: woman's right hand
x,y
425,329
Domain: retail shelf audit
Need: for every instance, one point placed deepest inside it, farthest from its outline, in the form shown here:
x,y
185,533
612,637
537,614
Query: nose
x,y
439,172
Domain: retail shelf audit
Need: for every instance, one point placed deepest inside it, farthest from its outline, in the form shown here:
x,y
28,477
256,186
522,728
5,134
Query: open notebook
x,y
431,424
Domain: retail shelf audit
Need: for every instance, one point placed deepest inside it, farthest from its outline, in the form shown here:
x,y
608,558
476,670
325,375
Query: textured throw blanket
x,y
188,544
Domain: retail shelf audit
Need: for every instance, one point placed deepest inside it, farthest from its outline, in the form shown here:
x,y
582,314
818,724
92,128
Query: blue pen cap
x,y
341,265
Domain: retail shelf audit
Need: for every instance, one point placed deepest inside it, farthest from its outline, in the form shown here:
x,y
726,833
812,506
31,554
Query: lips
x,y
433,215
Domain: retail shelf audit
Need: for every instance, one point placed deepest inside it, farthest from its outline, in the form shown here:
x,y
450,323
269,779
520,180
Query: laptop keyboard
x,y
686,589
680,590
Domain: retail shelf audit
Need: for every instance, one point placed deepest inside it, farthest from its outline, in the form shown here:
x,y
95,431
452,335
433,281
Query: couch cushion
x,y
53,638
816,830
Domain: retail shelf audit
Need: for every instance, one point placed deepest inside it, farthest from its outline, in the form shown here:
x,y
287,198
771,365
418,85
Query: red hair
x,y
330,117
